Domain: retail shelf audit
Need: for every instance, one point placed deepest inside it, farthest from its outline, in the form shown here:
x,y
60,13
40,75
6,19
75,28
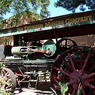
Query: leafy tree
x,y
18,6
4,40
71,5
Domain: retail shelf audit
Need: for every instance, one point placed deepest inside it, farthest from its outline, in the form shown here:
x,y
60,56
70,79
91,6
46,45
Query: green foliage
x,y
71,5
79,89
64,88
4,40
1,65
3,82
19,6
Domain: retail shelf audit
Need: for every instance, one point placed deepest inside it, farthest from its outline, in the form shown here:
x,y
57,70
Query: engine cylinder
x,y
19,50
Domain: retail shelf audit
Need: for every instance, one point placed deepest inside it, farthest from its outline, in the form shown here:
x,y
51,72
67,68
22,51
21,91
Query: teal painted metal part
x,y
49,44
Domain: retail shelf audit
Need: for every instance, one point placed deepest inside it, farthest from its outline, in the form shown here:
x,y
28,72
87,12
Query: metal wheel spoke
x,y
93,67
6,75
75,88
91,86
56,81
69,90
88,76
74,91
62,71
93,80
71,61
78,65
86,61
62,78
71,82
68,64
81,58
58,86
82,90
92,90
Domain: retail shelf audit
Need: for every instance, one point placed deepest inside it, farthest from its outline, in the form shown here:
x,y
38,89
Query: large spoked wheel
x,y
76,70
8,80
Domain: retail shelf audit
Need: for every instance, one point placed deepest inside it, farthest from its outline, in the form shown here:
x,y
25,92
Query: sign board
x,y
51,23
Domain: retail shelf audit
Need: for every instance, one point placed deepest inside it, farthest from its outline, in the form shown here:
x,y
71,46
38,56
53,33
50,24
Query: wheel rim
x,y
8,80
77,68
66,43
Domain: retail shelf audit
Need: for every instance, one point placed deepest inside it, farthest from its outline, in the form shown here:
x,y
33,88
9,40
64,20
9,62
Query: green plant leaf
x,y
79,89
64,88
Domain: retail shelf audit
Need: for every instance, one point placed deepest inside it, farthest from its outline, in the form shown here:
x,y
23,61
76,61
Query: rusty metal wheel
x,y
76,68
8,83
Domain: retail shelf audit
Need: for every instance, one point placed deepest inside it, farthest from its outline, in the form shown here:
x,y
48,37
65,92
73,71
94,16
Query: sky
x,y
53,10
56,11
59,10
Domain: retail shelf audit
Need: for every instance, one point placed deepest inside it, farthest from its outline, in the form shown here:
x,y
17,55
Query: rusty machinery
x,y
72,67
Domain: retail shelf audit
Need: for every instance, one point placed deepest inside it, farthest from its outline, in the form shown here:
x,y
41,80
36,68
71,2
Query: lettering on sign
x,y
19,29
33,27
78,20
55,23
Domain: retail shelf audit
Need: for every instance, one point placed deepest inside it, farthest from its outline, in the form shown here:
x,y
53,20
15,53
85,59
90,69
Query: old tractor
x,y
75,66
72,67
